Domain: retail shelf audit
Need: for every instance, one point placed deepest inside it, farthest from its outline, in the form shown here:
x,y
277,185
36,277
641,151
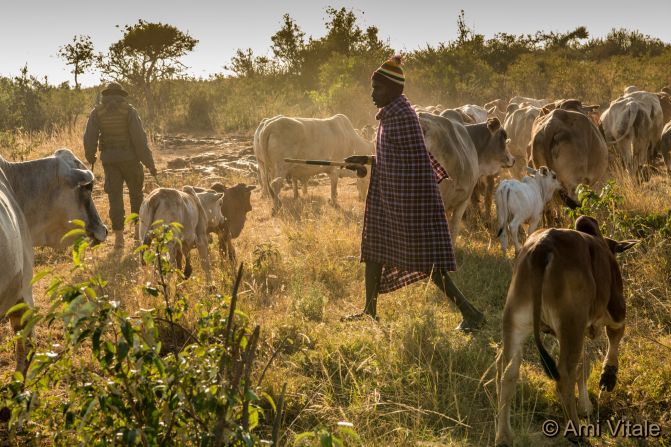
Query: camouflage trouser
x,y
115,175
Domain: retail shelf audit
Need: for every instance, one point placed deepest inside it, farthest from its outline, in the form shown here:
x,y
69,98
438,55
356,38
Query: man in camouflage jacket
x,y
114,127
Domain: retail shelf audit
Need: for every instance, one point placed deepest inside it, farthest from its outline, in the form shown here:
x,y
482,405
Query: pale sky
x,y
31,31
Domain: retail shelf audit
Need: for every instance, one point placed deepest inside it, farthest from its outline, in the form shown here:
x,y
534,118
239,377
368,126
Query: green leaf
x,y
122,349
270,400
16,308
39,275
132,217
78,222
76,232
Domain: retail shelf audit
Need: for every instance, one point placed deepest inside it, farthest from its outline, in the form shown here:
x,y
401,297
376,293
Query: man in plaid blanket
x,y
405,233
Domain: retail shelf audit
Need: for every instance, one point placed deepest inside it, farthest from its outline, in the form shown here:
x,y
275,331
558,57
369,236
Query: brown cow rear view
x,y
567,283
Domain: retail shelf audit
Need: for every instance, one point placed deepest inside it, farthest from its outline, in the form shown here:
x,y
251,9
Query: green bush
x,y
130,389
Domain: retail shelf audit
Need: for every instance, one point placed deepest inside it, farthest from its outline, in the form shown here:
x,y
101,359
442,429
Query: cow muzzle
x,y
97,233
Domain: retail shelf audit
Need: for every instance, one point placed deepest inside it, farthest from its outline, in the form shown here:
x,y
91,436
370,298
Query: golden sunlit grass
x,y
410,379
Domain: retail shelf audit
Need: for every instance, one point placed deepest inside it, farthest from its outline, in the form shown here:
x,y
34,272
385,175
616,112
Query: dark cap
x,y
114,88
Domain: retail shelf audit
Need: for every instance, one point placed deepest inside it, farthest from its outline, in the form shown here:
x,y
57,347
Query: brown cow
x,y
567,283
568,143
574,105
234,207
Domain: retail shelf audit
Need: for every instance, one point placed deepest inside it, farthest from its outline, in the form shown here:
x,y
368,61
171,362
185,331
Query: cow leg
x,y
489,193
584,404
23,345
514,232
518,325
231,251
455,221
294,184
176,255
570,353
609,373
334,187
187,267
275,189
503,237
204,255
667,161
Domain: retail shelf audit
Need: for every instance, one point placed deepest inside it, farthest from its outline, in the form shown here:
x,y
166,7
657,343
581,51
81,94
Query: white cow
x,y
38,199
282,137
520,201
522,101
477,113
497,109
518,126
195,211
631,89
633,126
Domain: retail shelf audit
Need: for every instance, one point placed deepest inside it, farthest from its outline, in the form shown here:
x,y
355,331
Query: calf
x,y
567,283
522,201
235,205
195,211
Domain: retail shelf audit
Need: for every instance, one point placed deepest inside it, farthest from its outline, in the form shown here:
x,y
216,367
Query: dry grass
x,y
410,379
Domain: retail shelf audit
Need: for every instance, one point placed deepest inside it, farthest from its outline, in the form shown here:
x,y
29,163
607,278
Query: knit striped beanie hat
x,y
391,69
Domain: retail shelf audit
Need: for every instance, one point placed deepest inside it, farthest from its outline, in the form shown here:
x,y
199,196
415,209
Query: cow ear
x,y
622,246
531,171
79,177
544,170
493,124
491,111
219,187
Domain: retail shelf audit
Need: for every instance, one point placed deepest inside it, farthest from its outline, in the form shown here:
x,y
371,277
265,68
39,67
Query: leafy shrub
x,y
129,390
615,222
309,299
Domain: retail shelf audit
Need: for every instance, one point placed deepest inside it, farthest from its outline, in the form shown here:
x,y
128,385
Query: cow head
x,y
589,225
235,205
547,181
211,202
497,144
511,108
70,199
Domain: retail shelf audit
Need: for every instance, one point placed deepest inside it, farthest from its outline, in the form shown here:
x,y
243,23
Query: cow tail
x,y
263,176
631,115
502,197
152,207
541,258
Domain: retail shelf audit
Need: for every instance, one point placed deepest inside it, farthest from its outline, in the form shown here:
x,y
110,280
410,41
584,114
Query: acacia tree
x,y
79,54
147,52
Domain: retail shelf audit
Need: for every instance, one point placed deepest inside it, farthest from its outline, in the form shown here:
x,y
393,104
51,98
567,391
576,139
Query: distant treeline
x,y
311,76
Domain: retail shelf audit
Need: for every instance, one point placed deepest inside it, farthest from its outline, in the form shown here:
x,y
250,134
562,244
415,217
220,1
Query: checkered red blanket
x,y
405,228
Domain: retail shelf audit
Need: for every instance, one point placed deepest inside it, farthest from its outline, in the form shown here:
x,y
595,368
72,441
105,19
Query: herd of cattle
x,y
565,282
